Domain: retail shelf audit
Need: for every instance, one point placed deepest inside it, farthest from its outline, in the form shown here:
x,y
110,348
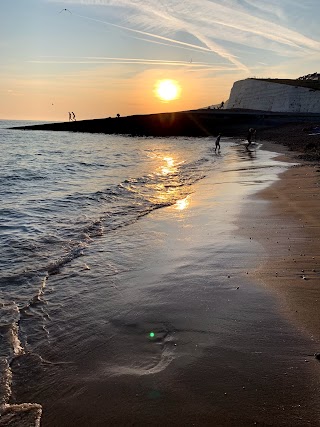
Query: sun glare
x,y
167,90
182,204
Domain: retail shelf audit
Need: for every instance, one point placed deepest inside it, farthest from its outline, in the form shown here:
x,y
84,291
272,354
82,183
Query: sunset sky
x,y
103,57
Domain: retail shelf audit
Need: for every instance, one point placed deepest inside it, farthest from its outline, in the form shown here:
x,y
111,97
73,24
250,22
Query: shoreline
x,y
284,218
224,354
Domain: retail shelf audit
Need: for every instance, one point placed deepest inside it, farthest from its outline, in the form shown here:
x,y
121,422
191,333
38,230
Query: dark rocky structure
x,y
186,123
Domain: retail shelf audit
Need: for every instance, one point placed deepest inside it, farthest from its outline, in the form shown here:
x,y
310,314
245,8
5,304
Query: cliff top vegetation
x,y
311,84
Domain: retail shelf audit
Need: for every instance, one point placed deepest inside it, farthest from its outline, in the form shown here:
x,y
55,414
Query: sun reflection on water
x,y
170,188
169,167
182,204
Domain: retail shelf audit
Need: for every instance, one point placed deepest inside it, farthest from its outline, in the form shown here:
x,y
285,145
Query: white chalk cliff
x,y
263,95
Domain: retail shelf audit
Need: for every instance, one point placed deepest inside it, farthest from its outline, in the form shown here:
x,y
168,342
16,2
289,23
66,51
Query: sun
x,y
167,90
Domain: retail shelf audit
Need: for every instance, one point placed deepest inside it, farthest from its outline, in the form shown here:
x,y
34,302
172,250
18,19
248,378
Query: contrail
x,y
113,60
145,33
249,23
170,45
212,47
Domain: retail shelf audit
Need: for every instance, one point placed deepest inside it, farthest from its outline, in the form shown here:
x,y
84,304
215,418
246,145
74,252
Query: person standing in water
x,y
218,143
251,134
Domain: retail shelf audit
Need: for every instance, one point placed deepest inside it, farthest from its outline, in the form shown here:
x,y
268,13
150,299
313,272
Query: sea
x,y
124,298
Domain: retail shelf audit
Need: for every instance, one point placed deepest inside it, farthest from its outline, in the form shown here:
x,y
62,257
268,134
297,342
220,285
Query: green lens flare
x,y
151,334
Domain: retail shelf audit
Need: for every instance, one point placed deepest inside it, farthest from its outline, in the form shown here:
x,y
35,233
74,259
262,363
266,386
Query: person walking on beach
x,y
218,143
251,133
73,116
69,117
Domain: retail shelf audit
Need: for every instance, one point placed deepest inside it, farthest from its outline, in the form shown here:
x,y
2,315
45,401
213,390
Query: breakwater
x,y
185,123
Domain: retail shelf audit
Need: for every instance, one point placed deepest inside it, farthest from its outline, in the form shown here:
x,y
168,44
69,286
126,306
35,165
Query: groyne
x,y
186,123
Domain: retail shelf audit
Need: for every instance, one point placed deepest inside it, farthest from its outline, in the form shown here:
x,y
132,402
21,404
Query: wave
x,y
56,243
23,414
60,228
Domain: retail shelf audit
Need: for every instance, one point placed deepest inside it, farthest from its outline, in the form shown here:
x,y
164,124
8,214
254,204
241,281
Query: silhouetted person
x,y
254,134
73,116
118,115
251,134
218,143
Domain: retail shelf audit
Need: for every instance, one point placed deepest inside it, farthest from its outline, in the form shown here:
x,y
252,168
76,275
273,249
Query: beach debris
x,y
86,267
304,277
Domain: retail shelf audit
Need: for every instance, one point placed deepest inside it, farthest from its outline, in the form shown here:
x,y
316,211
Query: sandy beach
x,y
285,218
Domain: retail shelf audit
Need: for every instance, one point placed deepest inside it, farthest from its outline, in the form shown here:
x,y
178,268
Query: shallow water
x,y
106,239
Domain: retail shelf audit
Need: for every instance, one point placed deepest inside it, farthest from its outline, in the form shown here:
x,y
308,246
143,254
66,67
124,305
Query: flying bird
x,y
67,10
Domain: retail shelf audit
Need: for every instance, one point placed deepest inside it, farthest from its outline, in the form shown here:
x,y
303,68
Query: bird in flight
x,y
67,10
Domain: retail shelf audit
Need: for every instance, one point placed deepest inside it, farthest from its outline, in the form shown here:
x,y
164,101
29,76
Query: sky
x,y
100,58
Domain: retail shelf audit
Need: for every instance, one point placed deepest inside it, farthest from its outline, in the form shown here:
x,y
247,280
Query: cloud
x,y
212,24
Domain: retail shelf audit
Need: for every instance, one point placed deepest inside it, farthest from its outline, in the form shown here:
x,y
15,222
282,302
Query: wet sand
x,y
234,338
285,219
